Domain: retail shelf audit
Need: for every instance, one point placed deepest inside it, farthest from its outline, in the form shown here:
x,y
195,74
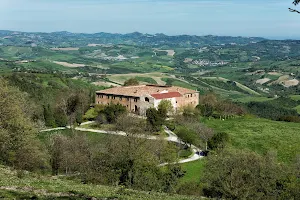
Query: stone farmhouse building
x,y
138,99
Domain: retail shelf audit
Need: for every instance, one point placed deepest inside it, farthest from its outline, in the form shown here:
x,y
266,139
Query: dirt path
x,y
172,137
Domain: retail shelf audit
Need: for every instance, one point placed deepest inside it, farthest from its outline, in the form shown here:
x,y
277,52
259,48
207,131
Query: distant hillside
x,y
66,39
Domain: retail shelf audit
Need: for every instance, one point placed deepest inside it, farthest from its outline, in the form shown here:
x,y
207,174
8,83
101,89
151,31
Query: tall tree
x,y
19,146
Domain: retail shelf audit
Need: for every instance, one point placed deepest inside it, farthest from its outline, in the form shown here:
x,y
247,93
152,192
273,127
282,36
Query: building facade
x,y
138,99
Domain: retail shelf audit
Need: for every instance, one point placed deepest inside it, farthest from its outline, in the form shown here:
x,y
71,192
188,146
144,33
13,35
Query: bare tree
x,y
296,2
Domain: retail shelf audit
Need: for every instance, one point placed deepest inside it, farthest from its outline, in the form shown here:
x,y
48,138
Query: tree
x,y
164,108
112,112
131,82
72,105
69,154
186,135
219,140
19,146
154,119
203,133
49,116
296,2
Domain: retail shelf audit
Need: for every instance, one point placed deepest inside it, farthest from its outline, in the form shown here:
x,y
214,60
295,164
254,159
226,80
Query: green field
x,y
261,135
176,82
193,171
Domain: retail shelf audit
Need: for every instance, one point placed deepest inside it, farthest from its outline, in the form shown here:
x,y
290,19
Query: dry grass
x,y
66,64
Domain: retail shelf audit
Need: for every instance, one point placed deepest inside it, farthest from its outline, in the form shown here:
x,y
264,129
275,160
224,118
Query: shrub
x,y
219,140
91,114
131,81
113,111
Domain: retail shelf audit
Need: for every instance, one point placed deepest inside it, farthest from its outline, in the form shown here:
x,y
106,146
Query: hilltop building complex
x,y
138,99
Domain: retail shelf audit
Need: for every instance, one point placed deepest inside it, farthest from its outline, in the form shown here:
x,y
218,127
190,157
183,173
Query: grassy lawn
x,y
261,135
193,171
33,186
93,138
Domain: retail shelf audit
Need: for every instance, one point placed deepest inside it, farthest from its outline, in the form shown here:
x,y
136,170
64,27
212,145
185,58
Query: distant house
x,y
138,99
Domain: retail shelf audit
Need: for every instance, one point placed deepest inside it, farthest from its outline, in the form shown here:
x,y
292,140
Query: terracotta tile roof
x,y
140,90
166,95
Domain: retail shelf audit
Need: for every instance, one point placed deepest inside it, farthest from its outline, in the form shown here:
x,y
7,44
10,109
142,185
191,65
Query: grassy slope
x,y
261,135
193,171
241,86
48,187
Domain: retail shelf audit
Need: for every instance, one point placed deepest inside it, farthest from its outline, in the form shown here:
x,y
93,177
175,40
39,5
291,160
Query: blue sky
x,y
267,18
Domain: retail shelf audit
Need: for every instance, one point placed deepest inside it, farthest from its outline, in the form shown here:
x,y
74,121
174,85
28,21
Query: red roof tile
x,y
166,95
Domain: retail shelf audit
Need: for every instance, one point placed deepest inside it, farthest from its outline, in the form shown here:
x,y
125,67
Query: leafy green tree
x,y
186,135
49,116
131,82
154,119
164,108
217,141
113,111
19,146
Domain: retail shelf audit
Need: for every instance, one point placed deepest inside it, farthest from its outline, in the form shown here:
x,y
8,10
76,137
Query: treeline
x,y
58,100
278,109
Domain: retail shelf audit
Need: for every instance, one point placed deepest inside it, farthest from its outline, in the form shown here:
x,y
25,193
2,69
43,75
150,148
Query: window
x,y
114,97
107,96
127,98
147,99
135,99
120,98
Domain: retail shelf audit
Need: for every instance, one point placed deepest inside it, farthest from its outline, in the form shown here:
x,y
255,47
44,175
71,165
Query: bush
x,y
170,125
219,140
91,114
113,111
295,119
184,153
240,174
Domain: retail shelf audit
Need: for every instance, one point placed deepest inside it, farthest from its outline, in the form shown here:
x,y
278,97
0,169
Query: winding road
x,y
172,137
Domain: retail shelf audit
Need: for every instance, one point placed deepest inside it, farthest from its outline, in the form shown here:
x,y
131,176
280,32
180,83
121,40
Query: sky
x,y
264,18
